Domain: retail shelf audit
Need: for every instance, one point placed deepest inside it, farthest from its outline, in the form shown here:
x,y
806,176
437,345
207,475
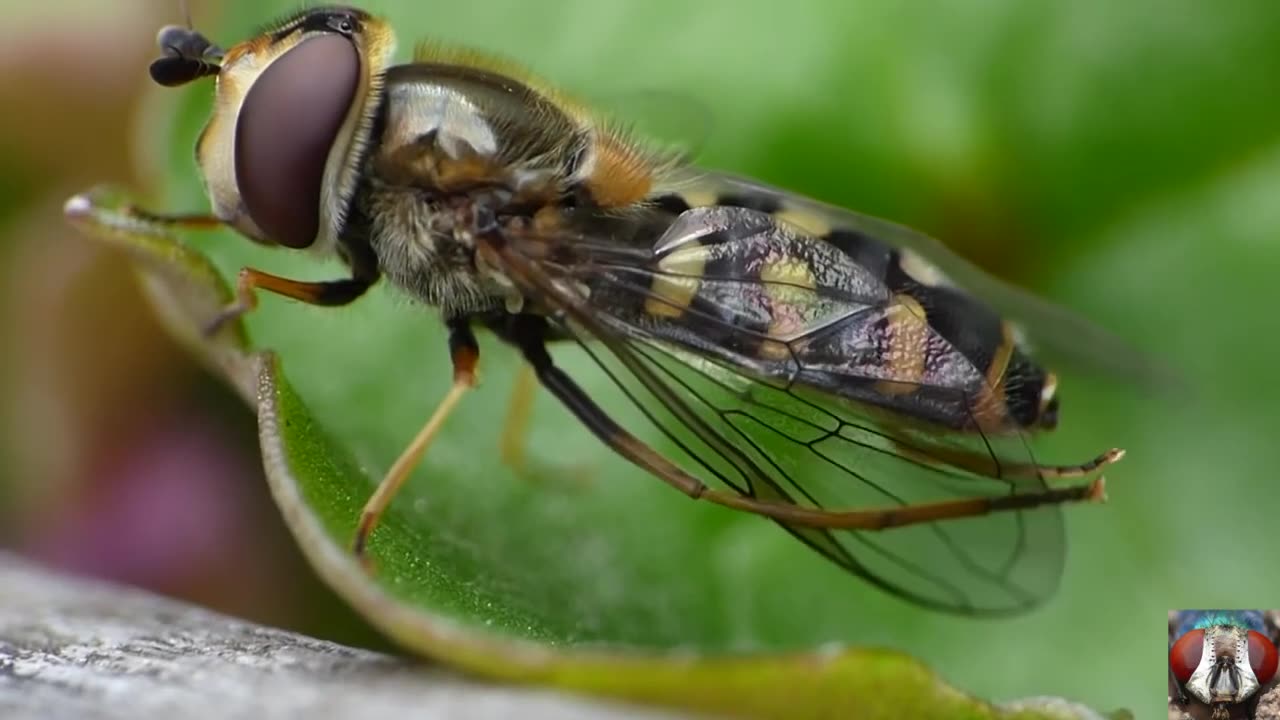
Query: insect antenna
x,y
187,55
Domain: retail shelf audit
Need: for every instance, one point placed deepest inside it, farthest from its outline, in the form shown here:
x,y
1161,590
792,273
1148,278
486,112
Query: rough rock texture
x,y
1269,706
89,651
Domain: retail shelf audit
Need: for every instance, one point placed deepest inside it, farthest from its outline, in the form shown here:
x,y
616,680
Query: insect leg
x,y
515,429
514,442
987,466
465,353
528,333
110,213
1075,471
329,292
178,221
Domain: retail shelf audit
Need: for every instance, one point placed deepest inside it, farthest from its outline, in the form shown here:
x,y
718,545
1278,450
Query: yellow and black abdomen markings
x,y
927,326
904,346
788,283
1012,382
733,286
676,281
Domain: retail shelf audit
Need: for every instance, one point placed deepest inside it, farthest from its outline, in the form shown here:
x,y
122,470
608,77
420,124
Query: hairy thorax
x,y
457,153
425,245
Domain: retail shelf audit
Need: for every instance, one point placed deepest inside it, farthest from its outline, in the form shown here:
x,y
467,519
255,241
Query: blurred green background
x,y
1120,158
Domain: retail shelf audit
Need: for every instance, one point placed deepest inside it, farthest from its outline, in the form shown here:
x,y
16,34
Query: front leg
x,y
328,293
111,213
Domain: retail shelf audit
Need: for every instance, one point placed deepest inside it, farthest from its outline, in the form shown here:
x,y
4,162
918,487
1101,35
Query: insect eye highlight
x,y
1184,656
344,25
1262,656
287,125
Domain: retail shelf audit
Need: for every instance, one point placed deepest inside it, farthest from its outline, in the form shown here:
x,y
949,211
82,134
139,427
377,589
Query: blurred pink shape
x,y
155,513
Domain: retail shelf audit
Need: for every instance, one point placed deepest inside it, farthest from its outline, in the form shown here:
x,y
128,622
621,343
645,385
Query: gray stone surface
x,y
82,650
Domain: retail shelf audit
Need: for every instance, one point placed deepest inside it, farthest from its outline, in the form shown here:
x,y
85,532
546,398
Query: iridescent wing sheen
x,y
740,384
1056,333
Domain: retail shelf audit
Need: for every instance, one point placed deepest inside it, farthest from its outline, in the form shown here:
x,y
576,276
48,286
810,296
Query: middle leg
x,y
465,354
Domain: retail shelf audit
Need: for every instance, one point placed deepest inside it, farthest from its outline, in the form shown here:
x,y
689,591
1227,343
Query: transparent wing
x,y
774,443
1056,333
663,120
769,429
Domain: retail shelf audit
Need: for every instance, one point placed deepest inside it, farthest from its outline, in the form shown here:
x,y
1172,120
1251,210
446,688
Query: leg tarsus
x,y
403,467
246,300
1113,455
465,354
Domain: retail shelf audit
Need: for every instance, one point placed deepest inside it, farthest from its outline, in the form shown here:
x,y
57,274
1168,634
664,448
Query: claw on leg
x,y
403,468
246,300
464,352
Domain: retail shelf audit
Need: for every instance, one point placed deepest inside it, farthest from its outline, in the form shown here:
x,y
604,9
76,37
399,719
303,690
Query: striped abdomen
x,y
844,313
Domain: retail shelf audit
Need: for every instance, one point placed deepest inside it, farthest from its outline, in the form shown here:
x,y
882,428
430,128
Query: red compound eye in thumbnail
x,y
1184,656
1262,656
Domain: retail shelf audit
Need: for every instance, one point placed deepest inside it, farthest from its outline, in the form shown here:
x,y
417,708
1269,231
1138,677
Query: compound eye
x,y
286,128
1184,656
1262,657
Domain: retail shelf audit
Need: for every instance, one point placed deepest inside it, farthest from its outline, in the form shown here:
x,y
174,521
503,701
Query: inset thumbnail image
x,y
1222,664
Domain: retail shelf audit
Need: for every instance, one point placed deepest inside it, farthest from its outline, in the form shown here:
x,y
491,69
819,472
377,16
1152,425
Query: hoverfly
x,y
1221,659
841,375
